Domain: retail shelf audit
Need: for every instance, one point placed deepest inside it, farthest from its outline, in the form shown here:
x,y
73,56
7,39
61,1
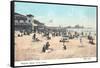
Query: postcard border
x,y
12,61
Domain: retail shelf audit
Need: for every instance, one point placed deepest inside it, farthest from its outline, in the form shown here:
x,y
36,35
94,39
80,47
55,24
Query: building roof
x,y
29,15
37,22
19,16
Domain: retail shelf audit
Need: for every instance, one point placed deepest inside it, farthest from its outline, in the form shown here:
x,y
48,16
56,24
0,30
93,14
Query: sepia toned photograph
x,y
50,32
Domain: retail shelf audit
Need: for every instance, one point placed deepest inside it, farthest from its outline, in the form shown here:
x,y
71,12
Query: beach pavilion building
x,y
23,23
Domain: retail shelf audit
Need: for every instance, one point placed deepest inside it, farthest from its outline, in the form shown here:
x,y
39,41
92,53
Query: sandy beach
x,y
26,49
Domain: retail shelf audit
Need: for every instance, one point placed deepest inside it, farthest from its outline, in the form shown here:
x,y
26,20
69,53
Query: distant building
x,y
23,23
38,26
27,23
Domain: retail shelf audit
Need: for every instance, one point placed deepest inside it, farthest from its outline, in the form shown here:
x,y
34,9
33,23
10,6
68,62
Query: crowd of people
x,y
75,35
70,35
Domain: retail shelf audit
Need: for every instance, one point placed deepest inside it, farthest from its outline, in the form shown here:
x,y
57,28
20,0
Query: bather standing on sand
x,y
44,48
34,36
81,41
64,46
47,45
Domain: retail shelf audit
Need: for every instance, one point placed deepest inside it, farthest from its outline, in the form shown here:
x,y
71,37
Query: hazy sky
x,y
55,15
